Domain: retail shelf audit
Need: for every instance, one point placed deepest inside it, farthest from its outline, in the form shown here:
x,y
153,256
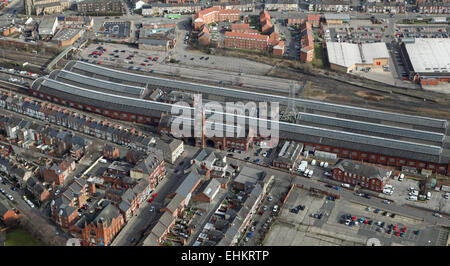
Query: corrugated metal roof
x,y
107,85
254,96
372,127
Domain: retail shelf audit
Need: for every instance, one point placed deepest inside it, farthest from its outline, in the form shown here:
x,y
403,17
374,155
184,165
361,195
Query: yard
x,y
20,237
319,58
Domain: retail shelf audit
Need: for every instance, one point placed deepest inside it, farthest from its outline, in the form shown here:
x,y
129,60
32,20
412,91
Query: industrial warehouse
x,y
427,60
347,57
355,133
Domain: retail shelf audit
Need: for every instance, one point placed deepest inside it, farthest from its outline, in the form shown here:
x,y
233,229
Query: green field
x,y
20,237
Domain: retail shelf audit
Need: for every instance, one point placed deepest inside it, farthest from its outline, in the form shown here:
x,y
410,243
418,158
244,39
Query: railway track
x,y
34,59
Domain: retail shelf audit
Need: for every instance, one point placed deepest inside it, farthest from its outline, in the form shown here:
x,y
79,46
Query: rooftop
x,y
429,54
348,54
66,34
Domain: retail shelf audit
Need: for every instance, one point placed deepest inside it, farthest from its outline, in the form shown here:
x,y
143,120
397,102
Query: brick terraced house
x,y
365,176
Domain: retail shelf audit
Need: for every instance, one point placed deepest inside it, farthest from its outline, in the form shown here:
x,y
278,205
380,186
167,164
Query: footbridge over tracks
x,y
55,61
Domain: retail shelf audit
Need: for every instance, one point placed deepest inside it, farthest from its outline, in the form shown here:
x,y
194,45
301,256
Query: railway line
x,y
25,57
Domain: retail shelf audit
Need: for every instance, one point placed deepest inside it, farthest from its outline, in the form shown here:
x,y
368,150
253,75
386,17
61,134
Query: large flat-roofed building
x,y
349,56
427,60
66,36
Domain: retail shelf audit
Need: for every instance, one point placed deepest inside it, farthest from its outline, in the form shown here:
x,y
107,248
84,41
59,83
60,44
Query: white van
x,y
310,173
30,203
321,164
428,195
325,165
306,172
313,163
345,185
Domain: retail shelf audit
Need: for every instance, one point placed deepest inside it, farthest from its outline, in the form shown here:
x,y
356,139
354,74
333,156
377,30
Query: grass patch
x,y
20,237
318,60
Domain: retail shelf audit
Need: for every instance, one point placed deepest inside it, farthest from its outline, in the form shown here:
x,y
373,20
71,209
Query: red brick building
x,y
65,207
110,152
204,36
100,227
7,215
57,173
254,42
314,20
294,20
366,176
264,21
214,14
306,43
246,41
152,168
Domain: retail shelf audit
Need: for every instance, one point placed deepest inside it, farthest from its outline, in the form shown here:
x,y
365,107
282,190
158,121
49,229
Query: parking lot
x,y
437,201
122,56
421,31
356,33
344,222
119,30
